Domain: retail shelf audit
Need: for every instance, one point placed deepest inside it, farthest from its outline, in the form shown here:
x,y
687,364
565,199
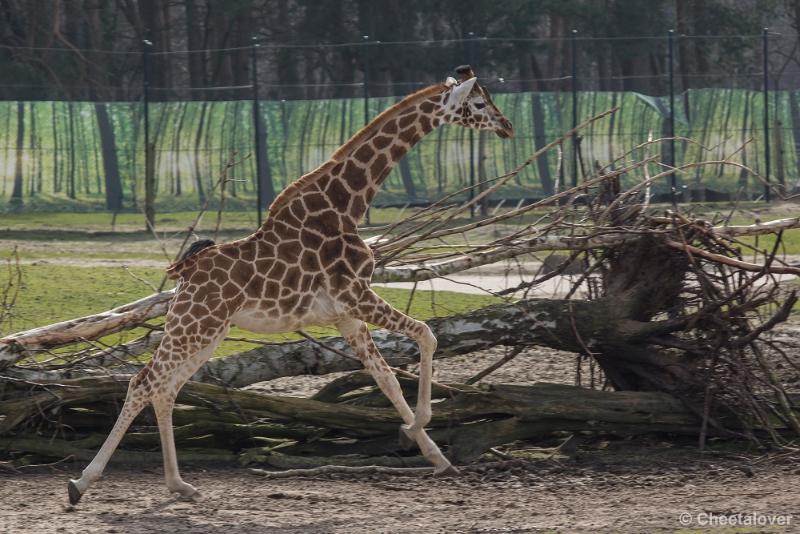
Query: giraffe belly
x,y
269,321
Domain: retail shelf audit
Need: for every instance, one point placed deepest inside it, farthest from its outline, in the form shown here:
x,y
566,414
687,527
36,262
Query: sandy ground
x,y
629,487
641,485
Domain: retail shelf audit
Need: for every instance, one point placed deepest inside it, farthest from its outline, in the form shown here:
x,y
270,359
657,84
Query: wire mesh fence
x,y
83,147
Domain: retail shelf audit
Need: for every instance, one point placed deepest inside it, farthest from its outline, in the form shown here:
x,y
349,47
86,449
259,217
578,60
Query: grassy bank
x,y
51,293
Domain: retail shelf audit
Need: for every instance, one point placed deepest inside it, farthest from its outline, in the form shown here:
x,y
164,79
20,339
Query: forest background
x,y
72,91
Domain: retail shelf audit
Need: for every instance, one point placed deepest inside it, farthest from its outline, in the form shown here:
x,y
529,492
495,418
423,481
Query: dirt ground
x,y
640,485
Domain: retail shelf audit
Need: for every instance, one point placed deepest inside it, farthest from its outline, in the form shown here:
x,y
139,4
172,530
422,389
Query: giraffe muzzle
x,y
506,129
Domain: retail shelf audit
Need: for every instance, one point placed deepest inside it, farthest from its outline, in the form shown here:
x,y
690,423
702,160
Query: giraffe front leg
x,y
357,336
136,399
373,309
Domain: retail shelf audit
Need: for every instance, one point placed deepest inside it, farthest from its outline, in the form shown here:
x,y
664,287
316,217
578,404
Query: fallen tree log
x,y
469,421
556,323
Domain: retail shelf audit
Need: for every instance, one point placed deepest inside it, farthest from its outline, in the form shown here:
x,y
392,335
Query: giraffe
x,y
306,265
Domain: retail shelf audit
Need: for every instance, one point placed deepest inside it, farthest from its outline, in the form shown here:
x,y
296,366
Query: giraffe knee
x,y
426,340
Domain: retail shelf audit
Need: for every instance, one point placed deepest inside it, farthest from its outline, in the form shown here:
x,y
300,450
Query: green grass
x,y
51,293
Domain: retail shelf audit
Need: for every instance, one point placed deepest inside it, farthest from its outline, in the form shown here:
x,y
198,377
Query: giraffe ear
x,y
462,91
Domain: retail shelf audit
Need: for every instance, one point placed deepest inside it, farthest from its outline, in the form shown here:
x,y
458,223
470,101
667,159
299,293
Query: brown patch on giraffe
x,y
425,124
284,231
379,164
407,120
409,135
297,209
208,323
397,152
248,251
390,128
222,261
338,194
306,281
230,290
198,310
309,261
367,269
356,256
382,142
271,290
315,202
348,224
292,277
340,275
337,169
310,239
179,308
326,223
358,207
427,106
287,304
230,251
262,266
288,218
364,154
354,176
242,272
277,271
322,182
289,251
265,250
331,251
143,377
304,304
199,277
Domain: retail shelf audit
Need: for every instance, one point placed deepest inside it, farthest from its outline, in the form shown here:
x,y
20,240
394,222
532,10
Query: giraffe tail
x,y
175,270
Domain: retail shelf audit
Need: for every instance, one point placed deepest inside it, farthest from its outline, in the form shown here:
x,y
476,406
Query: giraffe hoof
x,y
186,492
448,471
74,493
406,441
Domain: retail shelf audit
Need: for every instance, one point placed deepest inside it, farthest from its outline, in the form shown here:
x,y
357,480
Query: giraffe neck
x,y
351,178
364,171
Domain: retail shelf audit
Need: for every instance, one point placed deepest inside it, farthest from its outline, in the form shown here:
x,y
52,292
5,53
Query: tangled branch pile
x,y
675,310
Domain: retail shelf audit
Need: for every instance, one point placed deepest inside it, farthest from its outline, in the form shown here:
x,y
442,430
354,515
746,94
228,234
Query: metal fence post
x,y
365,66
574,77
671,69
258,135
365,94
471,133
149,163
767,162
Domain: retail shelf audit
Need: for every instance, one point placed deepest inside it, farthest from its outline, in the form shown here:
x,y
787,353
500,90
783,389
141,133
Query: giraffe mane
x,y
343,151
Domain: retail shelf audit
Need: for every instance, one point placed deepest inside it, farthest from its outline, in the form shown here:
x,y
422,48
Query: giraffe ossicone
x,y
306,265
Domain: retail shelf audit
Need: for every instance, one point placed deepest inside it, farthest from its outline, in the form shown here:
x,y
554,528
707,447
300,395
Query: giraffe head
x,y
469,104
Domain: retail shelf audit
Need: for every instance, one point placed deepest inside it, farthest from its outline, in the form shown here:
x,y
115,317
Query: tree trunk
x,y
16,193
198,175
71,170
539,141
108,147
794,103
267,186
497,415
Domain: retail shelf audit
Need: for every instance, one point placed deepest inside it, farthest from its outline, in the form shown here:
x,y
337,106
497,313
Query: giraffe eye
x,y
480,105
